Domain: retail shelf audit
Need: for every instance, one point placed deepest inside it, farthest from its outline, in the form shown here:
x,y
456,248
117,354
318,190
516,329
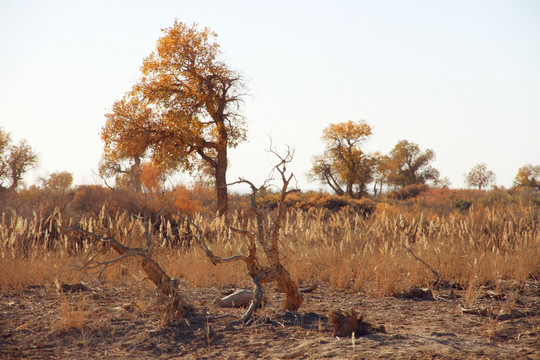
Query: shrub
x,y
365,206
336,202
268,201
462,205
89,199
185,202
409,191
315,200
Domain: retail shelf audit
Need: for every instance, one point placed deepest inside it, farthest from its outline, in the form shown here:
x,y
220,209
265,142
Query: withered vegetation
x,y
268,238
481,263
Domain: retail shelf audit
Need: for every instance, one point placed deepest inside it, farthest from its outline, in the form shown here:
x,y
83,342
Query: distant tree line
x,y
348,169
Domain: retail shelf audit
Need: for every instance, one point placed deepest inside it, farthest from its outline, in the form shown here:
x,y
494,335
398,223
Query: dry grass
x,y
342,249
38,269
71,315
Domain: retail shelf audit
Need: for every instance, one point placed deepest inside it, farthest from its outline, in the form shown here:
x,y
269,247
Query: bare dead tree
x,y
177,304
267,236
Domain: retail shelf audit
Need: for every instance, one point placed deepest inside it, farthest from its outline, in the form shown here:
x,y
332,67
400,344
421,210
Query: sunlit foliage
x,y
185,107
344,166
528,176
152,177
410,165
381,172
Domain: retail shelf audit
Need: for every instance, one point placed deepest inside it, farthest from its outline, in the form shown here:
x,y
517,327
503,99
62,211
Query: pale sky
x,y
459,77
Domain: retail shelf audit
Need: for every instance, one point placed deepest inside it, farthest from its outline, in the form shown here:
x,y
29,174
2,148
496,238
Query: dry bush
x,y
315,200
409,191
89,199
185,202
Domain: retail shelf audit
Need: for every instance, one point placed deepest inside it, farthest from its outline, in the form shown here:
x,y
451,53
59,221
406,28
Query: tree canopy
x,y
183,110
58,181
15,160
528,176
410,165
344,166
480,177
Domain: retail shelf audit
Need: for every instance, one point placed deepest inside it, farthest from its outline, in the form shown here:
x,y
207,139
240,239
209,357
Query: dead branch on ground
x,y
177,304
410,233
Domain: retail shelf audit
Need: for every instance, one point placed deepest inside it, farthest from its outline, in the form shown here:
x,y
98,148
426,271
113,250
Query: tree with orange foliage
x,y
528,176
344,166
126,142
152,176
381,172
184,108
410,165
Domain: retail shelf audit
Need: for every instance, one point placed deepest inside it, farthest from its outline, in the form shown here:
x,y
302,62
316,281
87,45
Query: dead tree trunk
x,y
284,281
267,237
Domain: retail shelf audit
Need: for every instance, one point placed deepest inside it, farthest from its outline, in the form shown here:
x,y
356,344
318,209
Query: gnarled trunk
x,y
221,182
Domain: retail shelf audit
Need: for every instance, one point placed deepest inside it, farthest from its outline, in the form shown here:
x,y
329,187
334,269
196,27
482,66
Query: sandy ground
x,y
124,322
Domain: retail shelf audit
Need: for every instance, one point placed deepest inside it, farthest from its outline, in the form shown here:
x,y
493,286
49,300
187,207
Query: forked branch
x,y
267,237
177,305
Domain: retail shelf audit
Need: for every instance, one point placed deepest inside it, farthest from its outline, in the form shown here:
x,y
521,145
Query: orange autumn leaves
x,y
344,166
184,109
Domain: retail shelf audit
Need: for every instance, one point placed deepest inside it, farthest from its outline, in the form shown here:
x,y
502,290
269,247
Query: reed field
x,y
344,249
